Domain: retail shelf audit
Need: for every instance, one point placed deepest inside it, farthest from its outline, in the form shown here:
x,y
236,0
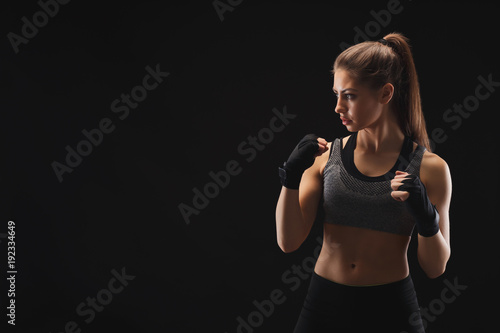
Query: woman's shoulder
x,y
434,169
433,162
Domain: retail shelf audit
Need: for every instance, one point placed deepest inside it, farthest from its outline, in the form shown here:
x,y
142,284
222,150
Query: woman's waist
x,y
362,257
359,271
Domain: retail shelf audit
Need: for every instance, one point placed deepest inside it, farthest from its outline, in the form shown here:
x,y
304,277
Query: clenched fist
x,y
409,188
301,158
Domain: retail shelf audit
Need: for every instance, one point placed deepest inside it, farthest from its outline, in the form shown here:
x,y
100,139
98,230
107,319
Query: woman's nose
x,y
339,108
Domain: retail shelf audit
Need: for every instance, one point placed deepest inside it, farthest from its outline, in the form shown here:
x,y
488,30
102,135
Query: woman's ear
x,y
387,91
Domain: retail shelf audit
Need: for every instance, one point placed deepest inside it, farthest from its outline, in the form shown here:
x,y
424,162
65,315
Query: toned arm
x,y
296,209
433,252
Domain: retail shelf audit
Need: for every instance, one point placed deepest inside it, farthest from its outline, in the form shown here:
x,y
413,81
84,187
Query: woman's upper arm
x,y
436,176
311,187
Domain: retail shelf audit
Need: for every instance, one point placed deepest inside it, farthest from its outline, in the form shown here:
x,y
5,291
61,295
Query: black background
x,y
119,207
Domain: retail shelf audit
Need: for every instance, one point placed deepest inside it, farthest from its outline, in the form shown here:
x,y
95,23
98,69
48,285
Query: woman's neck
x,y
383,136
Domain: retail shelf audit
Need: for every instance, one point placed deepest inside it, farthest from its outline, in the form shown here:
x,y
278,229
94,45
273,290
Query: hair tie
x,y
383,41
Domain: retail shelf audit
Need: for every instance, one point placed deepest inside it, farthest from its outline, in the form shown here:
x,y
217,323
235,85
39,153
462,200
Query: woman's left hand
x,y
409,188
396,182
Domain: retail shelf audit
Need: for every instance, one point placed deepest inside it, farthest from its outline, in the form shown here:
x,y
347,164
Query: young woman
x,y
377,185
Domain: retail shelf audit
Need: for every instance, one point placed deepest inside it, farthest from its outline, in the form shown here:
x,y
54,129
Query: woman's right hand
x,y
301,158
322,145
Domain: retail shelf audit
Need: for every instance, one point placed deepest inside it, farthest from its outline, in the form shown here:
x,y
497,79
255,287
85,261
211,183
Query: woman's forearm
x,y
291,227
433,254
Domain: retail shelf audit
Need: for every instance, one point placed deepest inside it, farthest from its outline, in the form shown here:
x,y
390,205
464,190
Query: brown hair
x,y
375,64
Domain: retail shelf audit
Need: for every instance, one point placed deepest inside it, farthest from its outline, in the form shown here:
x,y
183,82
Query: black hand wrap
x,y
419,205
301,158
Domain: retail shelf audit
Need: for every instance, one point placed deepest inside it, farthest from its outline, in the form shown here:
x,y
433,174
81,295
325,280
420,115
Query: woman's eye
x,y
347,96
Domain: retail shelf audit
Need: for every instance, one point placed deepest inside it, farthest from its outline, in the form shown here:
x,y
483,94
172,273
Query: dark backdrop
x,y
230,74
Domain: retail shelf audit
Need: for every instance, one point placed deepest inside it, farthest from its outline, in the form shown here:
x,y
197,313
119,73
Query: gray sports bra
x,y
353,199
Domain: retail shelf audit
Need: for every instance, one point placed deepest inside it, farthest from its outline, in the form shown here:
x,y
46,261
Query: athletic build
x,y
377,184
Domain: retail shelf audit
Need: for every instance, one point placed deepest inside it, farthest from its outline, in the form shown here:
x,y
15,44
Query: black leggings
x,y
333,307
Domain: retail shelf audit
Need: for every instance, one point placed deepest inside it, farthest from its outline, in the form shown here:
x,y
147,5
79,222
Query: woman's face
x,y
359,107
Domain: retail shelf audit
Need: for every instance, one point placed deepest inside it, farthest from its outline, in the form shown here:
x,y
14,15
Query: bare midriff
x,y
357,256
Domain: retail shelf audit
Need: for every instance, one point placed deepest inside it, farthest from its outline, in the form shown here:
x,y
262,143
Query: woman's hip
x,y
391,307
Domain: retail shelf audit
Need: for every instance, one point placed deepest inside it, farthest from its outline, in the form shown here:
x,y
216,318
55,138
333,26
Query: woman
x,y
377,185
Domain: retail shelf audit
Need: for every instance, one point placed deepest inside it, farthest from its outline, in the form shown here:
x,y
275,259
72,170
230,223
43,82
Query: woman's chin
x,y
351,127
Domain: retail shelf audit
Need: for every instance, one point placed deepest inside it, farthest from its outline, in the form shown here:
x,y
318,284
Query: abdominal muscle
x,y
356,256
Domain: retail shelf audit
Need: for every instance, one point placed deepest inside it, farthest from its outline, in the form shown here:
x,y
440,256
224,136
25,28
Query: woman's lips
x,y
345,121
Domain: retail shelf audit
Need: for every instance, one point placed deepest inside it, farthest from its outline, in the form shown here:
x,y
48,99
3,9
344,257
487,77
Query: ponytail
x,y
390,61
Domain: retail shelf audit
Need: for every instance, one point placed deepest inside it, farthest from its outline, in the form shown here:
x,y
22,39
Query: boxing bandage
x,y
419,205
301,158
